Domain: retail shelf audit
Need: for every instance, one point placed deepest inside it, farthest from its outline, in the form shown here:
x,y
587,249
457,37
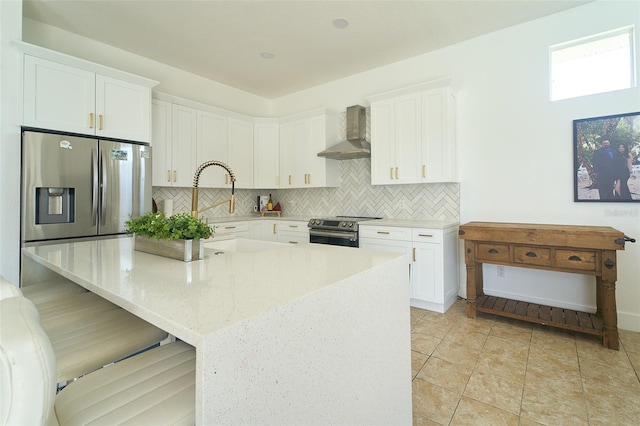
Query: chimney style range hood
x,y
356,146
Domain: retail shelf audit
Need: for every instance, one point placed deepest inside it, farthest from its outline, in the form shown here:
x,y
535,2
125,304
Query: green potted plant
x,y
180,236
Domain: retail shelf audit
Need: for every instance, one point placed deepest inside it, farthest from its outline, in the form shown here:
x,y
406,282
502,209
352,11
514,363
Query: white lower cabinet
x,y
433,260
286,231
225,230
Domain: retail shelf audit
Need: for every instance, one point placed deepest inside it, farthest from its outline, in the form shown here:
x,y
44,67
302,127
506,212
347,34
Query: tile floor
x,y
498,371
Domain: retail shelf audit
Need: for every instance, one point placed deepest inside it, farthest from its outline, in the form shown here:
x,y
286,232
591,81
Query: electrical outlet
x,y
500,271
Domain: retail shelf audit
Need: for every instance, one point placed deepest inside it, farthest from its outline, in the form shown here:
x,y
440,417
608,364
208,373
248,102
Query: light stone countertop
x,y
413,223
297,330
194,299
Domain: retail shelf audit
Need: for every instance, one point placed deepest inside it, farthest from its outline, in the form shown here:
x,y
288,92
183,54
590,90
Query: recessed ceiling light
x,y
267,55
340,23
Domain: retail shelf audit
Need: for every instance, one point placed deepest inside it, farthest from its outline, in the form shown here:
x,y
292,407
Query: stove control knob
x,y
351,225
344,224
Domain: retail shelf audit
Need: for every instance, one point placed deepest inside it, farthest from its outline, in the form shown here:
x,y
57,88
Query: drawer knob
x,y
576,258
493,251
531,254
609,263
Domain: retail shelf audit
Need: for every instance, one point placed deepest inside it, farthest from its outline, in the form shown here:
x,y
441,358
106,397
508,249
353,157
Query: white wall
x,y
10,101
515,147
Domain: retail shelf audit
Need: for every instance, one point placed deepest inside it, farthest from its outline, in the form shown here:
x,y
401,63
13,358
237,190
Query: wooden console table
x,y
587,250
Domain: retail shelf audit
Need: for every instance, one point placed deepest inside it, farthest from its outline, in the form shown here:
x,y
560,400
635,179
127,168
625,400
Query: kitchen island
x,y
284,334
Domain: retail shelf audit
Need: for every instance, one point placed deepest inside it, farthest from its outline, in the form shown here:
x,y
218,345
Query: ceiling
x,y
224,40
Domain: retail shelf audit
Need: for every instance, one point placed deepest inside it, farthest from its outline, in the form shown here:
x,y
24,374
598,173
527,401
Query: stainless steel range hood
x,y
356,146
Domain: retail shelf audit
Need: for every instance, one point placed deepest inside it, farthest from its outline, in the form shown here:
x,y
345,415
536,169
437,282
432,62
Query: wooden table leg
x,y
474,278
607,290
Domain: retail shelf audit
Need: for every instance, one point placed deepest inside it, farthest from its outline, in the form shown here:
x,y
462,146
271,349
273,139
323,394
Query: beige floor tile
x,y
593,349
433,403
495,391
424,343
456,353
634,358
510,369
561,383
424,327
625,378
560,377
549,409
418,360
508,349
513,331
630,340
466,337
475,413
558,361
453,377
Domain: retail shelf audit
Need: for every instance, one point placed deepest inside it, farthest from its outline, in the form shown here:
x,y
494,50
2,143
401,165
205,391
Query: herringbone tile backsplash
x,y
355,197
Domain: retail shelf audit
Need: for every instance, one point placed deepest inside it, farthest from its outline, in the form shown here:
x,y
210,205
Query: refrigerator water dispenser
x,y
54,205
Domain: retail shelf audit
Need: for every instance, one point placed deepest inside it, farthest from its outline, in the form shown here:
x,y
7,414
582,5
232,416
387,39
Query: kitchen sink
x,y
242,245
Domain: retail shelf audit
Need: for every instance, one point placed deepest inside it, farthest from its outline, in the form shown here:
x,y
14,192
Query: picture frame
x,y
606,160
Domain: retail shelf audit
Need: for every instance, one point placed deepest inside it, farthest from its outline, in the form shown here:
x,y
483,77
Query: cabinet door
x,y
58,97
123,109
301,138
320,171
286,155
266,161
426,282
241,151
407,138
382,142
183,146
438,137
161,143
212,145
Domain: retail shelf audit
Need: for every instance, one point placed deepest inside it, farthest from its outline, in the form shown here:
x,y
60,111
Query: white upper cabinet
x,y
241,151
301,138
198,134
413,135
266,147
212,144
58,96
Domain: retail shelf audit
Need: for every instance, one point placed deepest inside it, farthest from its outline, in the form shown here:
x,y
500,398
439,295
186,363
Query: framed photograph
x,y
606,161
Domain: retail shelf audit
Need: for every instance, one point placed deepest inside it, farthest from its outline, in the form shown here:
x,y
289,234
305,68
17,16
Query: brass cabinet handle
x,y
175,175
229,227
274,228
383,232
91,120
293,242
426,235
289,179
414,254
493,251
396,173
293,226
424,171
100,120
168,175
391,173
309,181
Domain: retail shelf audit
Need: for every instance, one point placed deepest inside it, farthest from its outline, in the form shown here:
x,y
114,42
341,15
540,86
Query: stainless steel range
x,y
337,230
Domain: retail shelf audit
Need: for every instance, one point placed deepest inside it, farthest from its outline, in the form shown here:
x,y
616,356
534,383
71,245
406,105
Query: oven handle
x,y
352,236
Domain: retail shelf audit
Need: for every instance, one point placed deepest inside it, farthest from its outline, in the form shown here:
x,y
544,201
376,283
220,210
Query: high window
x,y
596,64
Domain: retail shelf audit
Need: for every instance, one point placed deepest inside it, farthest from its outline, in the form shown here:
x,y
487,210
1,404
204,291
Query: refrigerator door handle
x,y
94,186
103,190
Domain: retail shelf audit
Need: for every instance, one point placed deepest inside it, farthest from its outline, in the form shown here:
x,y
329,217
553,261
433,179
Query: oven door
x,y
333,238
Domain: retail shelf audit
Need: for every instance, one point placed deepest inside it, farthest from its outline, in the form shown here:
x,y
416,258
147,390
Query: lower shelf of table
x,y
541,314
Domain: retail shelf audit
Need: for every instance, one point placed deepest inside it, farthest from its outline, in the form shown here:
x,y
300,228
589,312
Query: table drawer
x,y
583,260
492,252
532,255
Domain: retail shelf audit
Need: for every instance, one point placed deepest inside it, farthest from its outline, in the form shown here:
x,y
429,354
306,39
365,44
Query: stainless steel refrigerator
x,y
76,186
